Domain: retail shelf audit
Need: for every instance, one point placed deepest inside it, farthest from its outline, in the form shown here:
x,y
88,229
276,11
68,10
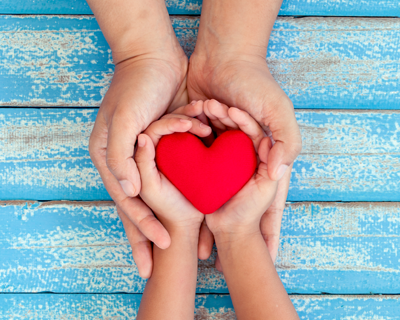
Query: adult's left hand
x,y
245,82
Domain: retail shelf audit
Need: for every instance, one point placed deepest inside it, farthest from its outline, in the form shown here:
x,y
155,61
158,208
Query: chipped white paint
x,y
44,135
207,307
383,8
320,62
340,236
347,155
85,245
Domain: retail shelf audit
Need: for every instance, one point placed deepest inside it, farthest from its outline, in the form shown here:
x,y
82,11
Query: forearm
x,y
254,285
236,25
134,27
170,291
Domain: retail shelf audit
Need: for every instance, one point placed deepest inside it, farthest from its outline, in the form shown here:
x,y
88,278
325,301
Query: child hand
x,y
173,210
241,215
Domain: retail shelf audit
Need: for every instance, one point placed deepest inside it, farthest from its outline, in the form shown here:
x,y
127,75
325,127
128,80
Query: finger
x,y
193,109
209,140
136,210
147,223
141,246
218,264
98,141
206,242
265,184
271,220
248,125
286,133
218,115
176,123
122,134
144,157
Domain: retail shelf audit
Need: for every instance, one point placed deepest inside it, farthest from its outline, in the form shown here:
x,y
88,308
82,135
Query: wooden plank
x,y
347,155
374,8
187,7
75,247
208,307
72,247
346,248
331,63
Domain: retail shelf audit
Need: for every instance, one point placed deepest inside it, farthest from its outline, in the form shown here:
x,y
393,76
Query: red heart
x,y
207,177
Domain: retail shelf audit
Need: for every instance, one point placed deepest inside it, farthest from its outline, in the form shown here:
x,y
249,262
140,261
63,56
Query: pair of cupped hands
x,y
161,81
240,216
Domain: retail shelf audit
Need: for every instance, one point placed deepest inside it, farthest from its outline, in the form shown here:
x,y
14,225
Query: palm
x,y
244,208
247,85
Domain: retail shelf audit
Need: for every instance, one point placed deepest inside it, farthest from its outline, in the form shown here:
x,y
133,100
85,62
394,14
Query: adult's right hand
x,y
140,92
149,78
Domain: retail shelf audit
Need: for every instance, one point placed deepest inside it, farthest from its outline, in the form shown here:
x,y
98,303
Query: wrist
x,y
234,27
188,230
235,234
162,45
230,242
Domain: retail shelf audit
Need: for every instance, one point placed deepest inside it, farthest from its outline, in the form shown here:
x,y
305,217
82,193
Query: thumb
x,y
265,183
120,149
286,134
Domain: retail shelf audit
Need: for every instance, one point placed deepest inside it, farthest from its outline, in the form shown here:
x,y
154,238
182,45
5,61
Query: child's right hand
x,y
169,205
241,215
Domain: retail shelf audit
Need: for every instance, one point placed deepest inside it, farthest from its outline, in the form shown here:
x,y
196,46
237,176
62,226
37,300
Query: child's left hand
x,y
172,208
243,212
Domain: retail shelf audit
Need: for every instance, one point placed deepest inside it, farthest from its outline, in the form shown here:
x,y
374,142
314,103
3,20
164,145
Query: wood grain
x,y
347,155
208,307
388,8
334,63
74,247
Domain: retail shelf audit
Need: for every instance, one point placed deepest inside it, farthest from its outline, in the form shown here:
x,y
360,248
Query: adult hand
x,y
149,78
247,84
229,65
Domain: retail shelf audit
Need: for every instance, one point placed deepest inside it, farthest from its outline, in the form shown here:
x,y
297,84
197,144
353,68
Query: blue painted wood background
x,y
63,250
346,156
381,8
321,63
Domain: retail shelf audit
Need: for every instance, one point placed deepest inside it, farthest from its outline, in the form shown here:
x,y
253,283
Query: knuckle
x,y
297,147
125,114
113,164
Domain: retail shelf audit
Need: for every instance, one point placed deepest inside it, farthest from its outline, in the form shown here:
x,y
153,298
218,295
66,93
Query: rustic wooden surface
x,y
347,156
333,63
71,260
208,307
381,8
325,247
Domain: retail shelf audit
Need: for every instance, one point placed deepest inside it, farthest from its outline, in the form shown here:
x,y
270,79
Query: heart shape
x,y
207,177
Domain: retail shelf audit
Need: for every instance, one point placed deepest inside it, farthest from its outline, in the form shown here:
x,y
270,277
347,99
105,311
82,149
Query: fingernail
x,y
141,143
185,121
128,188
202,125
281,171
193,102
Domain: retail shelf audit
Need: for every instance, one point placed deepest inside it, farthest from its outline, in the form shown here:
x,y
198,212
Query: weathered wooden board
x,y
347,155
81,7
347,63
72,247
381,8
346,248
208,307
98,306
338,248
